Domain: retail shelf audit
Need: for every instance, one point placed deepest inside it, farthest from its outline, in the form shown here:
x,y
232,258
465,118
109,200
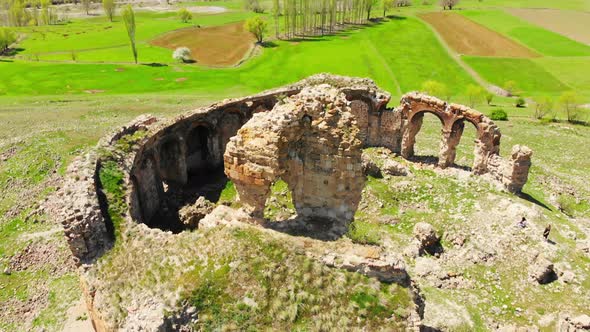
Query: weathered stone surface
x,y
542,271
425,234
309,134
311,141
578,323
512,174
371,168
394,168
190,215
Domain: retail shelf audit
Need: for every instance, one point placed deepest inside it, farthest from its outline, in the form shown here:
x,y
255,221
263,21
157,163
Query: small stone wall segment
x,y
82,217
313,144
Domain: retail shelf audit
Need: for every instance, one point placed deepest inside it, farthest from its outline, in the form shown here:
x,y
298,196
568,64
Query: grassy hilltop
x,y
66,85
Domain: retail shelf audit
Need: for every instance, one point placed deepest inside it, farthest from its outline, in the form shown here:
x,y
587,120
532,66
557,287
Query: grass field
x,y
572,24
530,77
234,43
543,41
361,52
469,38
98,40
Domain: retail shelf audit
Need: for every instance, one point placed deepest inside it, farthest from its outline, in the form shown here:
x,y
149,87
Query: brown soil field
x,y
218,46
469,38
572,24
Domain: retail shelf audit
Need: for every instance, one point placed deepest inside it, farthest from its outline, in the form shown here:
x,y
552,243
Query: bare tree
x,y
109,8
569,102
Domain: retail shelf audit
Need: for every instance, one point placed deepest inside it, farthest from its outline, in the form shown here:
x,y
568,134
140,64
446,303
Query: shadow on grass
x,y
269,44
1,60
12,51
395,17
339,31
155,64
533,200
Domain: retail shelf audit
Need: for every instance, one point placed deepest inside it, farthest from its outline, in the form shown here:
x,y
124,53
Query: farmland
x,y
64,86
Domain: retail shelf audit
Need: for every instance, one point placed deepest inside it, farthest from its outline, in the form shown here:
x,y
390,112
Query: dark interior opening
x,y
205,177
198,149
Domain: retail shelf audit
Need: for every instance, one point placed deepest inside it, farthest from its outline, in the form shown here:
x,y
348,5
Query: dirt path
x,y
77,319
488,86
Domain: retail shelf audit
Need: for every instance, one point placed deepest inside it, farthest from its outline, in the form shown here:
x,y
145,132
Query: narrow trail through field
x,y
487,85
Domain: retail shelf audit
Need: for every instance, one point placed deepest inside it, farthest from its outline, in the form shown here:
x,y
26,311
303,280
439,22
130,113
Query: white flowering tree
x,y
182,54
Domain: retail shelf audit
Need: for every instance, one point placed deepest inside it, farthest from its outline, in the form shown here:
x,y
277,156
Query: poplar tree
x,y
129,19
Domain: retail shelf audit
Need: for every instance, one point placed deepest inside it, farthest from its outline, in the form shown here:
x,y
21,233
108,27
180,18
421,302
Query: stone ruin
x,y
309,134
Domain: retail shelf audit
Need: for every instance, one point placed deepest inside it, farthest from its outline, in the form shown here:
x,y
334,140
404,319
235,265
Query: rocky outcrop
x,y
542,271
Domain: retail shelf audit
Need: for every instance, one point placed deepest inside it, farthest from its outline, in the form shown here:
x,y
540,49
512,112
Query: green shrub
x,y
520,102
499,115
363,233
185,15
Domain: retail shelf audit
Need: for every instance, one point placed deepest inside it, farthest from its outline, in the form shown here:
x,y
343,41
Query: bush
x,y
185,15
520,102
182,54
499,115
7,38
257,27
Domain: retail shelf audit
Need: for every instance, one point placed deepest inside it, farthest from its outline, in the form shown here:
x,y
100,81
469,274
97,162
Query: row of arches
x,y
453,119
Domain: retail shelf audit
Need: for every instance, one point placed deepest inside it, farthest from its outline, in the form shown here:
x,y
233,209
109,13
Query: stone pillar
x,y
253,198
409,139
480,157
518,171
448,145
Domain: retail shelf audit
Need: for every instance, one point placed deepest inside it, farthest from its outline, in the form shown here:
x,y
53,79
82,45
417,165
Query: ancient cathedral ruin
x,y
310,134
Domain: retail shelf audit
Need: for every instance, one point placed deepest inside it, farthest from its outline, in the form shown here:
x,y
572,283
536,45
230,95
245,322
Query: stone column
x,y
518,172
448,145
253,198
409,139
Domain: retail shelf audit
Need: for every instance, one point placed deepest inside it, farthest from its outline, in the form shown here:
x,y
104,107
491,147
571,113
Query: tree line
x,y
302,18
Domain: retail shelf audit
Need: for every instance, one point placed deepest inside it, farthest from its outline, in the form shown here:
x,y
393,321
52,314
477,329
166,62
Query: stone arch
x,y
487,142
229,124
198,150
320,163
148,184
171,160
413,127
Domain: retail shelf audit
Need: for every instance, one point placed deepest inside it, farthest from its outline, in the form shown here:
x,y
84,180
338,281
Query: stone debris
x,y
190,215
394,168
370,168
579,323
426,236
542,270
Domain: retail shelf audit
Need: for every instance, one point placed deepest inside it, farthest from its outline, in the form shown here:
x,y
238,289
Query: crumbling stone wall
x,y
312,142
